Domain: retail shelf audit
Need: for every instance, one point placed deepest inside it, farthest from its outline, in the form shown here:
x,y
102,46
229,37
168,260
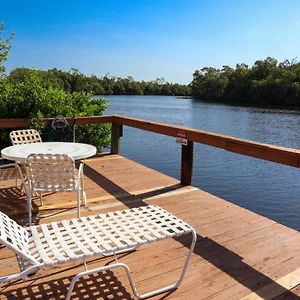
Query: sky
x,y
149,39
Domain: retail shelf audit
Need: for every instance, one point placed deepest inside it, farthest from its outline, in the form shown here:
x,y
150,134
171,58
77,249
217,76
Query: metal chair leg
x,y
29,208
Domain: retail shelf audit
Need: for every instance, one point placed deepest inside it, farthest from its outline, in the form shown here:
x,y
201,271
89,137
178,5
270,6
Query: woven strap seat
x,y
45,245
102,234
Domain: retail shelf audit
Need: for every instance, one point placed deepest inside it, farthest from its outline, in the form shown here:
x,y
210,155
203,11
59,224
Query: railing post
x,y
74,129
116,133
187,163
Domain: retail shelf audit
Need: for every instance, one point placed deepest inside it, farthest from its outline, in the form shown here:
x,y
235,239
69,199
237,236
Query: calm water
x,y
270,189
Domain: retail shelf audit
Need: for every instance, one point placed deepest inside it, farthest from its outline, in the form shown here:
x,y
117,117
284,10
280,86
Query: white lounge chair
x,y
53,173
24,136
106,234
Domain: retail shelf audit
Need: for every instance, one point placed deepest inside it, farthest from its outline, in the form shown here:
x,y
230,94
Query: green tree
x,y
5,46
30,99
262,68
209,84
265,83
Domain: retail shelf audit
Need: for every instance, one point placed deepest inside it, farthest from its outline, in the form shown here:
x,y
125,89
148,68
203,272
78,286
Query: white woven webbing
x,y
24,136
14,236
52,173
102,234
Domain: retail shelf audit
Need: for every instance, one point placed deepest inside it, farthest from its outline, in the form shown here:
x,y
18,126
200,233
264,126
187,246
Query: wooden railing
x,y
283,155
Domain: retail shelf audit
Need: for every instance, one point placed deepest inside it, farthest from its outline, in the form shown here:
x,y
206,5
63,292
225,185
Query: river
x,y
270,189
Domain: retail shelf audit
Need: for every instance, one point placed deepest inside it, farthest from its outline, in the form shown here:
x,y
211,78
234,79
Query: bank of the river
x,y
268,188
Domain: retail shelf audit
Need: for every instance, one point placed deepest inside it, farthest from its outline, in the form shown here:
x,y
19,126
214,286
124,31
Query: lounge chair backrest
x,y
52,172
15,237
25,136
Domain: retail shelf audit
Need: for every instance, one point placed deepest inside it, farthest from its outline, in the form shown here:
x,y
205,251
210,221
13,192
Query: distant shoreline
x,y
220,102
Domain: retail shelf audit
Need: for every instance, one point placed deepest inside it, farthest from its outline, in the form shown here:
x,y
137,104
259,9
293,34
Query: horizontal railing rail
x,y
283,155
25,123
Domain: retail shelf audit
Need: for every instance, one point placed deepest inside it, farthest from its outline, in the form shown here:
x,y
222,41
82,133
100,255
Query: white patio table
x,y
20,153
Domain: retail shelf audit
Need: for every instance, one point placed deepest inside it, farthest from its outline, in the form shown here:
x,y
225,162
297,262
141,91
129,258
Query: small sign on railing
x,y
181,138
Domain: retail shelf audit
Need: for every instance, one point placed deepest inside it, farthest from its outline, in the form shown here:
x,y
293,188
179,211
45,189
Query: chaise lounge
x,y
45,245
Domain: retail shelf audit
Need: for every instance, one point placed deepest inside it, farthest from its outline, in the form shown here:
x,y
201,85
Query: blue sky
x,y
149,39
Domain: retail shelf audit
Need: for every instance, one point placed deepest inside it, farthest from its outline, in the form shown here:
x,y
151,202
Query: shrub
x,y
29,99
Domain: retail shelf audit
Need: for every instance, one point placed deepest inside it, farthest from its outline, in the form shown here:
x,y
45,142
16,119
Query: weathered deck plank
x,y
238,253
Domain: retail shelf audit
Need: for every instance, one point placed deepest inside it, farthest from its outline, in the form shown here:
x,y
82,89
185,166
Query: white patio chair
x,y
11,171
24,136
50,244
53,173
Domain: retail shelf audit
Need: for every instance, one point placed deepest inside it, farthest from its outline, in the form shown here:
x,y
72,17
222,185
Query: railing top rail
x,y
25,123
283,155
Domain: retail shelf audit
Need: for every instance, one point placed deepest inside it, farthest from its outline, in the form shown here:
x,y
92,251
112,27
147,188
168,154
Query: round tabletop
x,y
75,150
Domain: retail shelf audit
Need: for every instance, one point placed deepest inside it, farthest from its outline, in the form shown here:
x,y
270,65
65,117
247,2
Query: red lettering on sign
x,y
182,135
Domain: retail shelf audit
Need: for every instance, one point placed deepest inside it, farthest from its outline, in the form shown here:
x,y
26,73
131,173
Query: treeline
x,y
75,81
267,82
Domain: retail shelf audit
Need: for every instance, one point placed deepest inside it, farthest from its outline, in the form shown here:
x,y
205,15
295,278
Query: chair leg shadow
x,y
104,285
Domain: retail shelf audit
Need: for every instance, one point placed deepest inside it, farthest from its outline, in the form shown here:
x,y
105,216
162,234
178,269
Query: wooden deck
x,y
238,253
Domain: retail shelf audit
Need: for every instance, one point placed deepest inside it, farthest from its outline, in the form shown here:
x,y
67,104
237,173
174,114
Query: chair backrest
x,y
51,173
15,237
25,136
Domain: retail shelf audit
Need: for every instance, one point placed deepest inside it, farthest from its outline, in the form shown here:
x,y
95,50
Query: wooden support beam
x,y
187,163
116,133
